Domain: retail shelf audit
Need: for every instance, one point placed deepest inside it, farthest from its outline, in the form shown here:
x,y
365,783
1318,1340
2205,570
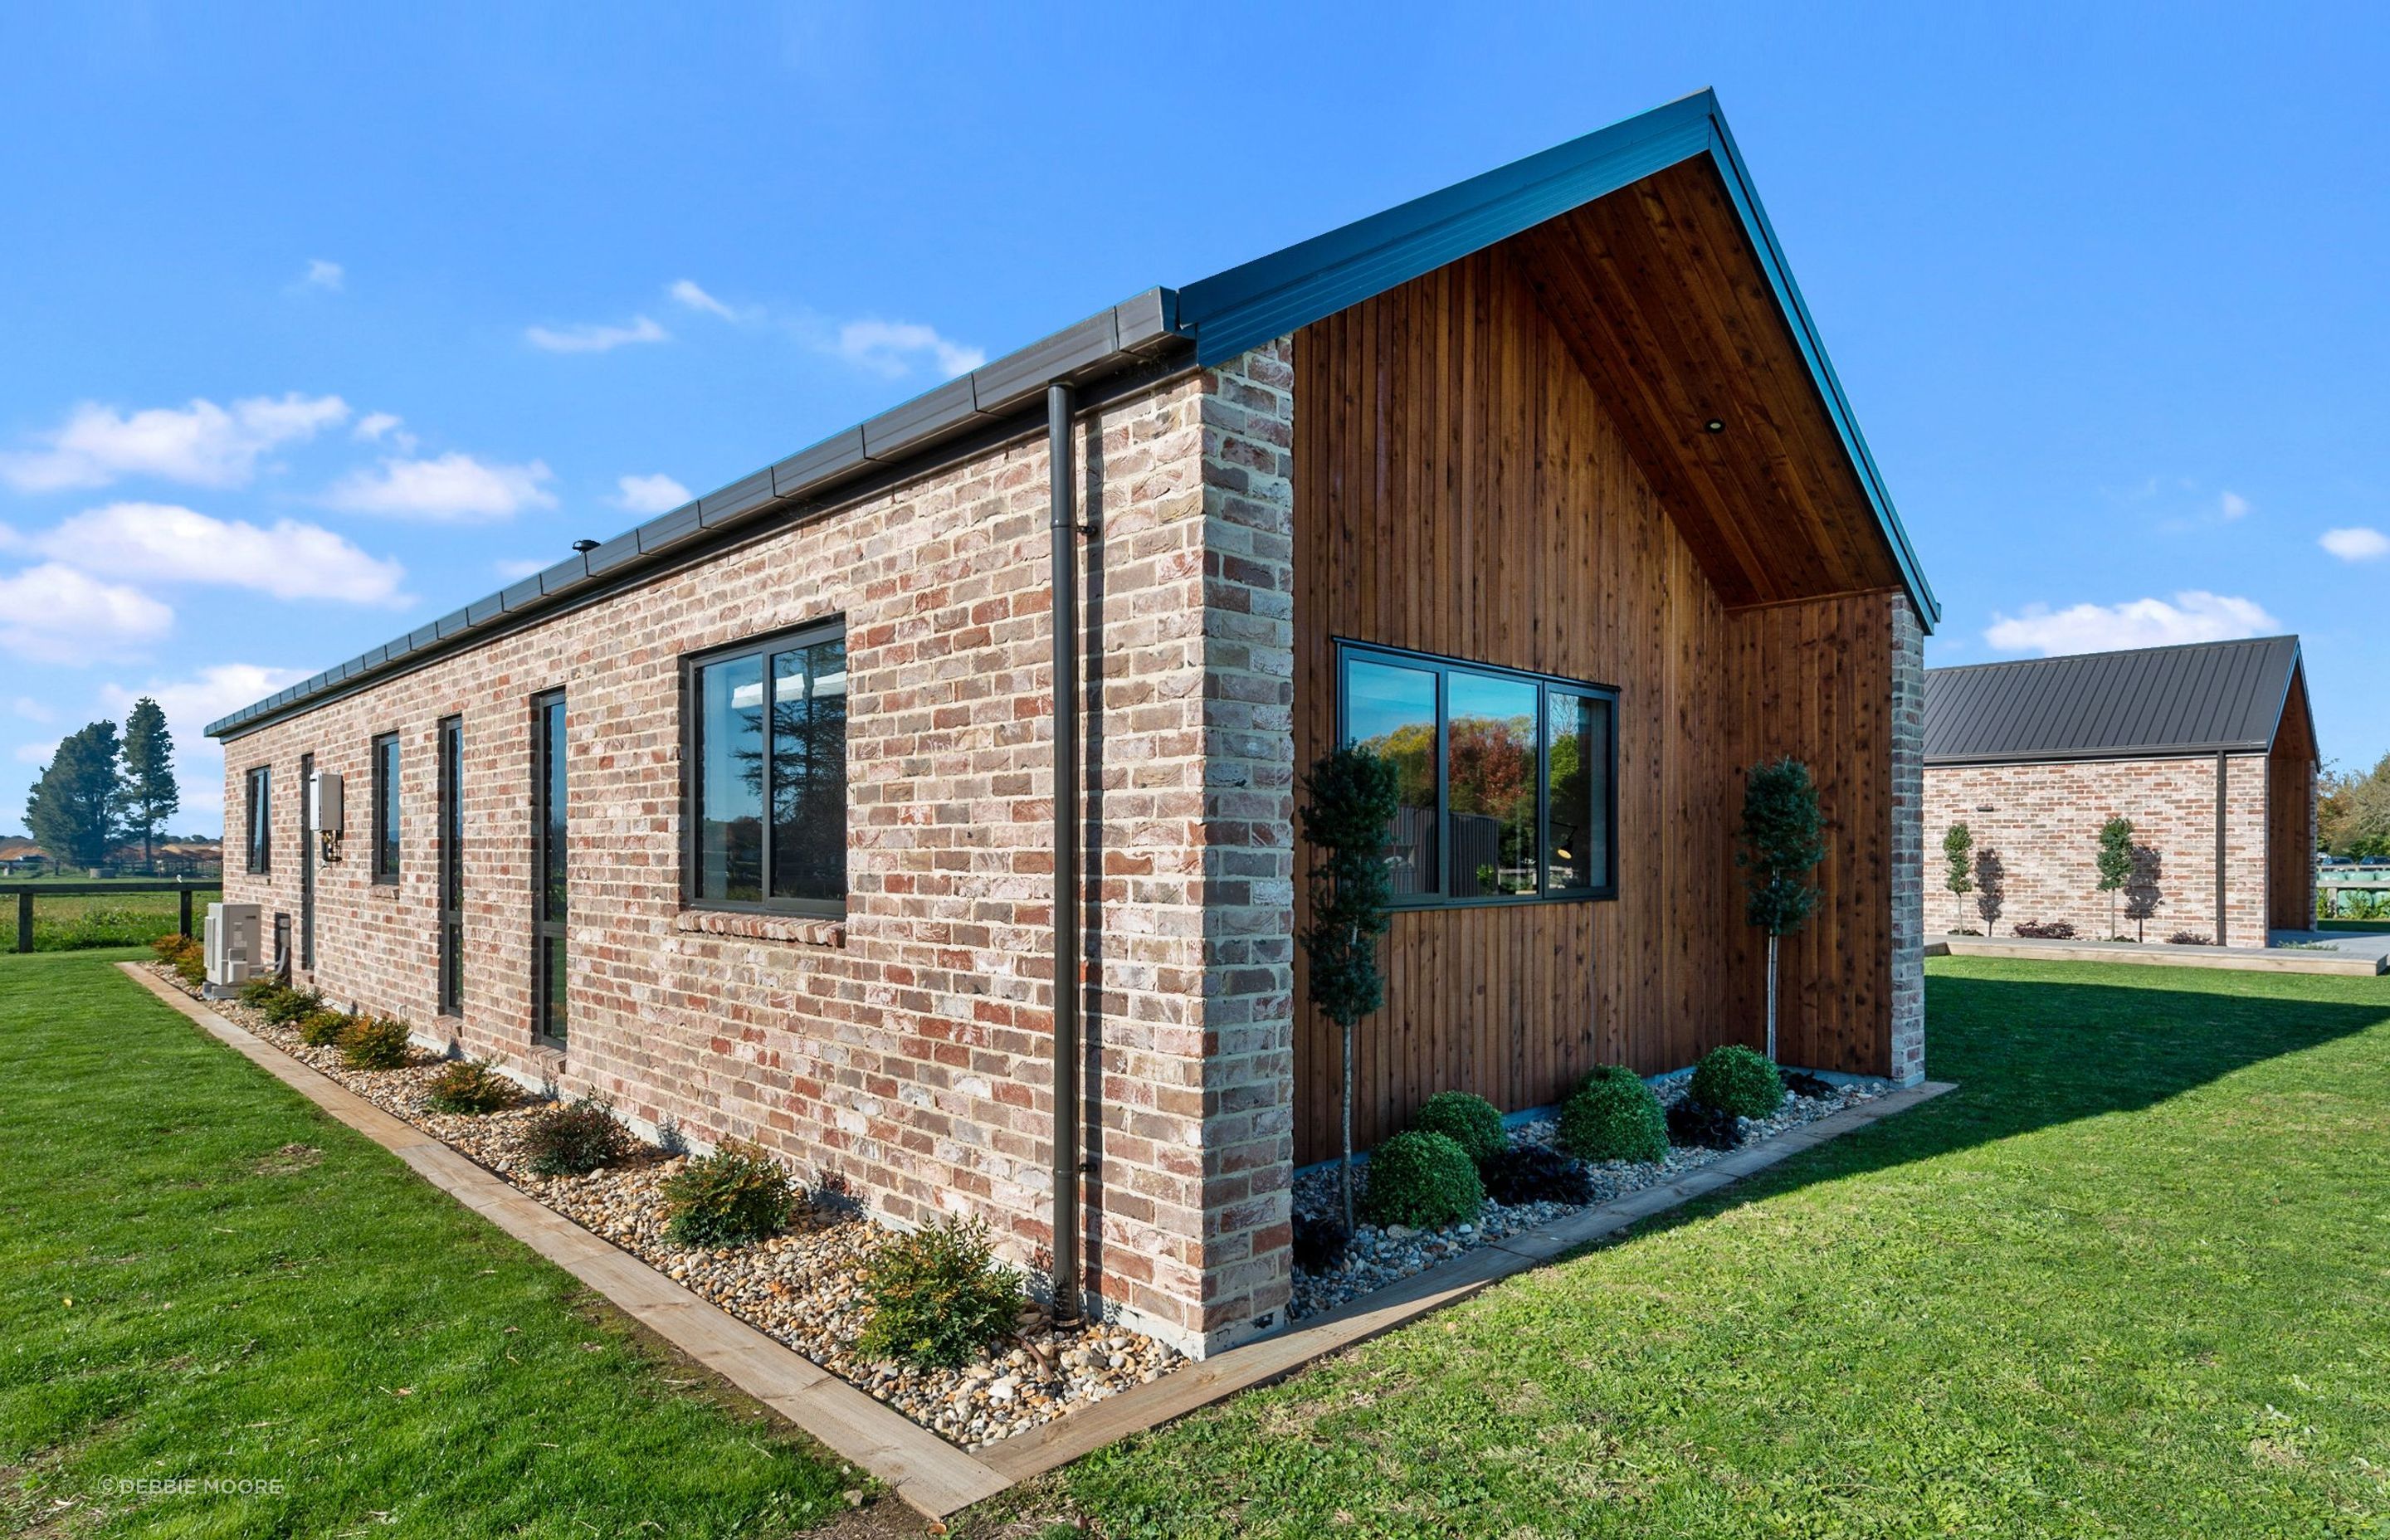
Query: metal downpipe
x,y
1065,575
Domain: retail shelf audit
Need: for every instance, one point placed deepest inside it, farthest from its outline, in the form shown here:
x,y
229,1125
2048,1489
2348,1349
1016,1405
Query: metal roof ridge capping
x,y
1222,315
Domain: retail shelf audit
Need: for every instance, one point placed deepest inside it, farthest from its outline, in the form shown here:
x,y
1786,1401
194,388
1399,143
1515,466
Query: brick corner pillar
x,y
1248,843
1906,1065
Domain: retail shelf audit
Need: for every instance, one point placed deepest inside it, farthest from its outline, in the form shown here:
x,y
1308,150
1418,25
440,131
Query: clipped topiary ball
x,y
1424,1180
1614,1116
1472,1122
1734,1079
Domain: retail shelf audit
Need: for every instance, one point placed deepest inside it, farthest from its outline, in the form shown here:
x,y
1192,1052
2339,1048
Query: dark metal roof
x,y
2146,703
1222,315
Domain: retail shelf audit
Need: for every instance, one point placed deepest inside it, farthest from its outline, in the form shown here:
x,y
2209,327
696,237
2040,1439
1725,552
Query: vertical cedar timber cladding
x,y
2290,814
1460,489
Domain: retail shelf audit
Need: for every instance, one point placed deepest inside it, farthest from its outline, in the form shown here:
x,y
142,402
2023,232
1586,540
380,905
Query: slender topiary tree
x,y
1959,849
1783,837
1350,797
2115,862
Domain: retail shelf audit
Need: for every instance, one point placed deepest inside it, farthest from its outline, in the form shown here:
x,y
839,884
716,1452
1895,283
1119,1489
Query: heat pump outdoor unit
x,y
235,947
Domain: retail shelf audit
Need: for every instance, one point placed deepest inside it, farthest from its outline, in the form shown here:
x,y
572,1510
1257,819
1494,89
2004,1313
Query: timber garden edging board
x,y
930,1474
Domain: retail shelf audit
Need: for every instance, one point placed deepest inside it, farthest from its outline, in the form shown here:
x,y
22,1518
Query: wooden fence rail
x,y
27,891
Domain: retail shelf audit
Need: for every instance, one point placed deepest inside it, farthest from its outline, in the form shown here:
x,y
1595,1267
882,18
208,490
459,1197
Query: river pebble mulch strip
x,y
803,1287
1379,1255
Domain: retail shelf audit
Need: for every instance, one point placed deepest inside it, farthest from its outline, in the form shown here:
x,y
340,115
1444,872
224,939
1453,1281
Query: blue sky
x,y
321,321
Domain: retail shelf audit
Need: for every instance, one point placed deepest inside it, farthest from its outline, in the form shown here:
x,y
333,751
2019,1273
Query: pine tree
x,y
73,808
151,795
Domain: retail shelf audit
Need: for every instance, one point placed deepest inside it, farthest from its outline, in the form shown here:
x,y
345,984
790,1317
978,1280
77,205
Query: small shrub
x,y
192,967
1537,1173
1734,1079
733,1195
1800,1082
262,991
1695,1125
1614,1116
321,1029
934,1299
374,1042
1424,1180
292,1005
469,1087
2046,930
575,1139
1319,1242
2190,938
1472,1122
171,945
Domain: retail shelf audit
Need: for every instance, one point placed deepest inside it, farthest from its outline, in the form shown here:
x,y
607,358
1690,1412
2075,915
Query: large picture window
x,y
768,774
1504,780
385,809
261,820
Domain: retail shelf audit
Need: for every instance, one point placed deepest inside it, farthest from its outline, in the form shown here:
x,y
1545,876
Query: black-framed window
x,y
452,865
767,774
385,808
1506,780
261,820
551,875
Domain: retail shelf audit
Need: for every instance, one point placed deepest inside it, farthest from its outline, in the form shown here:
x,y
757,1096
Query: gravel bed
x,y
801,1288
1379,1256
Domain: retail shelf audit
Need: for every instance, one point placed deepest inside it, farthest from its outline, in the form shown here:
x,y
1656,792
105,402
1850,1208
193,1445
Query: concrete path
x,y
927,1472
2360,962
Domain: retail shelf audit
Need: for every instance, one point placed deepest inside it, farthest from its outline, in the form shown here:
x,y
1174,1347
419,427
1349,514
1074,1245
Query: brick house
x,y
750,817
2208,749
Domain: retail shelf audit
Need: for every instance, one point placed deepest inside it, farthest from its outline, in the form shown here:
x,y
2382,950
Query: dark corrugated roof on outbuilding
x,y
2148,702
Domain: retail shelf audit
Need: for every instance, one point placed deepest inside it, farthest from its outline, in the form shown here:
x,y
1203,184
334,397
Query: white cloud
x,y
203,444
190,704
160,541
895,348
54,613
593,336
31,710
325,275
452,488
2357,543
2232,505
2194,616
687,293
516,569
650,494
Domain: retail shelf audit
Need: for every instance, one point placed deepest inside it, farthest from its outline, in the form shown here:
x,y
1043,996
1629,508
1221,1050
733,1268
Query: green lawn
x,y
203,1278
2133,1279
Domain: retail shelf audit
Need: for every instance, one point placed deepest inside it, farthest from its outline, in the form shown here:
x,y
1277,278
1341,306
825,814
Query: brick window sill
x,y
796,930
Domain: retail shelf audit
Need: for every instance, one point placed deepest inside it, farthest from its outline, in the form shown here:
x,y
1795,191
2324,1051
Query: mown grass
x,y
202,1278
2133,1279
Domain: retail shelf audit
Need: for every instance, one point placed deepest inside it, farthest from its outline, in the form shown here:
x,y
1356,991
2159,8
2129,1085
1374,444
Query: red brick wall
x,y
907,1050
2044,821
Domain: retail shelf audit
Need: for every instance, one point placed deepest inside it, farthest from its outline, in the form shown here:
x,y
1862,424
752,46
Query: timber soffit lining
x,y
2146,703
1222,315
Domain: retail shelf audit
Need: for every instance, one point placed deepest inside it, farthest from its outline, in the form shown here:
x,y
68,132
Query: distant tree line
x,y
99,791
2353,810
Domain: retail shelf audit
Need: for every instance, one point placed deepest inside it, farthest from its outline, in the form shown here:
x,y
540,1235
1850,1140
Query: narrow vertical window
x,y
261,820
1491,752
550,992
1577,793
452,865
385,808
1390,709
767,785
